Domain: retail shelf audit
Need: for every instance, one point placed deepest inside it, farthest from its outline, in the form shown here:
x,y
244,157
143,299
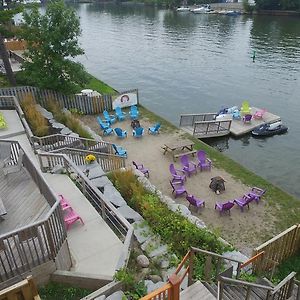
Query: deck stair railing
x,y
171,290
201,125
57,141
108,212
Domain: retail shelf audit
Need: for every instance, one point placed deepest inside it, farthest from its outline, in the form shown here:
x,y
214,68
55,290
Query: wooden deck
x,y
22,200
238,128
197,291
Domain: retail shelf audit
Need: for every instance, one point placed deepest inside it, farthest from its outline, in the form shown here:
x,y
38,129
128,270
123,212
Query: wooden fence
x,y
27,247
15,45
85,104
277,249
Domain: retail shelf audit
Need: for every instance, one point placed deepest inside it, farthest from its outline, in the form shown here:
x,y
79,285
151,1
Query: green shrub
x,y
133,290
54,291
285,268
173,228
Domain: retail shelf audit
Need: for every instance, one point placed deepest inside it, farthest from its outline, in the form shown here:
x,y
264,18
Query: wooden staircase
x,y
197,291
232,292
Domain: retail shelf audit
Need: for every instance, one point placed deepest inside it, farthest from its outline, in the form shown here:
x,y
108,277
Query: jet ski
x,y
269,129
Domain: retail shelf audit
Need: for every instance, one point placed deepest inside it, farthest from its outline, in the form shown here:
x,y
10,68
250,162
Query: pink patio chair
x,y
204,162
198,203
256,193
188,166
141,168
223,207
259,114
71,217
178,188
64,203
243,201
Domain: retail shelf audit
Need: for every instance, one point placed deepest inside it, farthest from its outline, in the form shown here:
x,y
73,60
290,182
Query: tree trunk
x,y
7,66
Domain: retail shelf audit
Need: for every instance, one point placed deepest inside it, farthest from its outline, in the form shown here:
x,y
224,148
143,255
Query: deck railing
x,y
203,125
57,141
108,212
11,102
277,249
32,245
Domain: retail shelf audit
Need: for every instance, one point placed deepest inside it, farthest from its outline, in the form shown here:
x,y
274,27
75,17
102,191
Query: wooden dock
x,y
238,127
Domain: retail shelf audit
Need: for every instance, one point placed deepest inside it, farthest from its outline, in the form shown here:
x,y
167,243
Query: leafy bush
x,y
285,268
68,120
63,292
35,119
173,228
134,290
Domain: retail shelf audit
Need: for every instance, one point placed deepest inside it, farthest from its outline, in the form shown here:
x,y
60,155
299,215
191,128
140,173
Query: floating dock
x,y
205,125
238,127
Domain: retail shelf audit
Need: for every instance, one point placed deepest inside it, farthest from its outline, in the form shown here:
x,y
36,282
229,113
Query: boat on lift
x,y
269,129
202,10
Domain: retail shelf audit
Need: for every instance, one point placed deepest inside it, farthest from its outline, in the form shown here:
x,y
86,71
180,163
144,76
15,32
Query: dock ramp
x,y
204,125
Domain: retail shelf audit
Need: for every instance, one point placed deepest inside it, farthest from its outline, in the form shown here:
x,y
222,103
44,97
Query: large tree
x,y
52,40
6,14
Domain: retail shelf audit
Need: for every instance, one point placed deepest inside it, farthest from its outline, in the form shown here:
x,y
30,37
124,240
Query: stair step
x,y
195,292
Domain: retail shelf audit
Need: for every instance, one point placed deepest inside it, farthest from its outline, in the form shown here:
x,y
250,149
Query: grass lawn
x,y
99,86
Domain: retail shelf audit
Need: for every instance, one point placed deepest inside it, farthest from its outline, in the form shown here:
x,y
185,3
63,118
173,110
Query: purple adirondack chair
x,y
256,193
141,168
247,118
204,162
188,167
198,203
223,207
243,201
178,188
176,176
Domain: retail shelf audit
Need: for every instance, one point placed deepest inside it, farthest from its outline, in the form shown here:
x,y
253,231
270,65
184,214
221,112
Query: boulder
x,y
155,278
128,213
119,295
182,209
143,261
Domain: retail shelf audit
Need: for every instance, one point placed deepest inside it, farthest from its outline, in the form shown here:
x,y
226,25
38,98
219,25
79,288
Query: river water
x,y
185,63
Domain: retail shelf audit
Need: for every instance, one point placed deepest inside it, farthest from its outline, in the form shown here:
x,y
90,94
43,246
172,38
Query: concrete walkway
x,y
94,247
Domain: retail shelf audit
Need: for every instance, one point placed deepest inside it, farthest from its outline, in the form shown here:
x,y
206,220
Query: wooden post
x,y
207,268
220,290
191,269
175,291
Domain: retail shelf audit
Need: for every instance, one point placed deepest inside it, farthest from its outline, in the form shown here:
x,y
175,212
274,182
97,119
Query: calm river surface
x,y
185,63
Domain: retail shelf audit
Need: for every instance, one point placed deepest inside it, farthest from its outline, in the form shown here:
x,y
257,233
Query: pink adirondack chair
x,y
64,203
223,207
71,217
259,114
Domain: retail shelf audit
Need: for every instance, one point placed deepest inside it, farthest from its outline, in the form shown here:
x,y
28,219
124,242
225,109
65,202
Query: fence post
x,y
220,290
175,291
191,267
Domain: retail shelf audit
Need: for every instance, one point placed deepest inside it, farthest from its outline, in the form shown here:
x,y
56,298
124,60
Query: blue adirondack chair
x,y
154,129
120,151
138,132
109,118
134,113
120,114
103,125
120,133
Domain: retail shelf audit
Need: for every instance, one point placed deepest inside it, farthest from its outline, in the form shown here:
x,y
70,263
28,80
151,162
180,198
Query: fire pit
x,y
217,184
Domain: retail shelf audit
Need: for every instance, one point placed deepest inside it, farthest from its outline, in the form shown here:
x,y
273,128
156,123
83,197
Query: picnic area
x,y
244,230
